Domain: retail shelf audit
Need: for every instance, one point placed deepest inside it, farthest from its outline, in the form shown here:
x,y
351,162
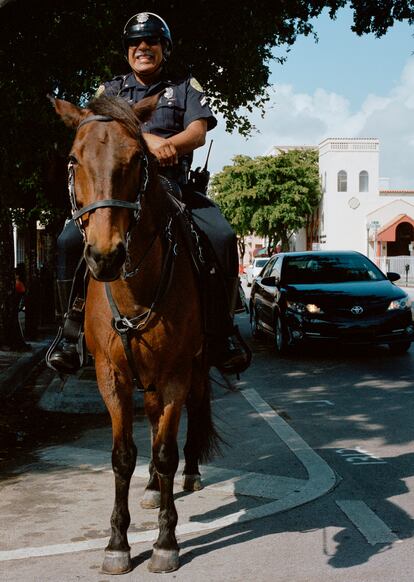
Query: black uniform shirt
x,y
181,103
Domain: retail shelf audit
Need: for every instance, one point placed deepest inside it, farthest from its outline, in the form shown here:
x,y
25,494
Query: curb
x,y
13,377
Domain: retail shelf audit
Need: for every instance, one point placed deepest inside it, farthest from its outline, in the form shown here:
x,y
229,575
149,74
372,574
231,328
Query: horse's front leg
x,y
165,458
118,399
152,494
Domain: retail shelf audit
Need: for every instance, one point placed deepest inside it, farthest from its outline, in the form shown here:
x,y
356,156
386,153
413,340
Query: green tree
x,y
272,196
234,190
288,192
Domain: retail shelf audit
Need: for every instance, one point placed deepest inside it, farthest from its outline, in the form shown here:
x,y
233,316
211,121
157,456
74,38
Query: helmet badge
x,y
142,17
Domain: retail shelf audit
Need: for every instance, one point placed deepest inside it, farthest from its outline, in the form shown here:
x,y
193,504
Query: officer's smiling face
x,y
145,57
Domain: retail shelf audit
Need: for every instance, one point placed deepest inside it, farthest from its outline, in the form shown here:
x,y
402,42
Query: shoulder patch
x,y
196,85
100,90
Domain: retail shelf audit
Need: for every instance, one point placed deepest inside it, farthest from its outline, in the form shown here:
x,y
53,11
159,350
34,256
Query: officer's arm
x,y
167,151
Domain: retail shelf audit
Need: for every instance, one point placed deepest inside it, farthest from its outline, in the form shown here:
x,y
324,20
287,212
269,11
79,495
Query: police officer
x,y
177,127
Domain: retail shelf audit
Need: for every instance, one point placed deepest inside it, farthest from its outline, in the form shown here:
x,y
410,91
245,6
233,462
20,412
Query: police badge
x,y
169,93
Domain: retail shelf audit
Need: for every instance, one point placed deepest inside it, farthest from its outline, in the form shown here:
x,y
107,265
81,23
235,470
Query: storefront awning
x,y
388,232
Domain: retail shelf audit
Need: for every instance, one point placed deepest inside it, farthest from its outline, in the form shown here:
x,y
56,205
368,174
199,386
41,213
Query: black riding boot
x,y
234,355
65,355
230,353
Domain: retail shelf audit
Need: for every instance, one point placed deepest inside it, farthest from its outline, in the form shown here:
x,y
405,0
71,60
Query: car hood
x,y
345,293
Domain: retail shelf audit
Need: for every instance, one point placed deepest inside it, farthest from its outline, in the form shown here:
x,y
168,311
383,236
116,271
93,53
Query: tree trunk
x,y
242,248
10,331
32,303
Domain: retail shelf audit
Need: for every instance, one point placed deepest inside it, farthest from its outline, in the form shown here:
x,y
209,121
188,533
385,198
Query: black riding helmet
x,y
147,24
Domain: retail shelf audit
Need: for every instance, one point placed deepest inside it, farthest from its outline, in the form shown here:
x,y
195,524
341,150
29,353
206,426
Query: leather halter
x,y
77,213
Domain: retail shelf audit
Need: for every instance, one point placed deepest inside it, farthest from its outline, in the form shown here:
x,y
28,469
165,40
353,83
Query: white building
x,y
358,210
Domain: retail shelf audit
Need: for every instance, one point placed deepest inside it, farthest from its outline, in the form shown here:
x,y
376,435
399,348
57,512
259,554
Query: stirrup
x,y
71,332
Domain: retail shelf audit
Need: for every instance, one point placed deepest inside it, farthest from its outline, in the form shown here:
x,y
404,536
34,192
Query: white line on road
x,y
321,480
374,530
327,402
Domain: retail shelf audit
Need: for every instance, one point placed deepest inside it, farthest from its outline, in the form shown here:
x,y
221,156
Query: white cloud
x,y
306,119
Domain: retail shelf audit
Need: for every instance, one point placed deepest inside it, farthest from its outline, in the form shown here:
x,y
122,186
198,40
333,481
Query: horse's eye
x,y
73,160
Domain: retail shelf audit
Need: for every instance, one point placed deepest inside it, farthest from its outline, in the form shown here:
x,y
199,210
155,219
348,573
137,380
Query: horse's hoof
x,y
151,499
192,483
163,561
116,562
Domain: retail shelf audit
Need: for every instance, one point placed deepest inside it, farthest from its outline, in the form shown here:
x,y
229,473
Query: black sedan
x,y
336,296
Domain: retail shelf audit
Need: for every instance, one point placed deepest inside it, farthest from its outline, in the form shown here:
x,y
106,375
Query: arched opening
x,y
404,235
363,181
342,181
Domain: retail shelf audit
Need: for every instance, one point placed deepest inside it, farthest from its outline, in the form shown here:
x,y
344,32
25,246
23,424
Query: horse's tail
x,y
210,440
205,440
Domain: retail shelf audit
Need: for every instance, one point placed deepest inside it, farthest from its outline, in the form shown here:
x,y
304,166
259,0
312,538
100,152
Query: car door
x,y
269,292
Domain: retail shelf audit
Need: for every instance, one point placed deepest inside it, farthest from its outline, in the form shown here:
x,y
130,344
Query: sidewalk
x,y
15,367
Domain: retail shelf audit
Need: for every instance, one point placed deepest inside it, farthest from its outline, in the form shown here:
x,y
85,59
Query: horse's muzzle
x,y
105,266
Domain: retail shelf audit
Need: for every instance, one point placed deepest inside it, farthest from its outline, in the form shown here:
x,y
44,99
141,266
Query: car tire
x,y
281,336
254,326
399,348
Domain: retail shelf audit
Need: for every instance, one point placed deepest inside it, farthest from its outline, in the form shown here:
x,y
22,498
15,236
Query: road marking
x,y
360,456
217,478
374,530
321,480
326,402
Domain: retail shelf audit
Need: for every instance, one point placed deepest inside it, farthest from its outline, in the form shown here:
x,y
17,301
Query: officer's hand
x,y
162,149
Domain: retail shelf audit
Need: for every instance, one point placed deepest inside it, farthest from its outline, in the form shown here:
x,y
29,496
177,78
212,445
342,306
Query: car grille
x,y
369,310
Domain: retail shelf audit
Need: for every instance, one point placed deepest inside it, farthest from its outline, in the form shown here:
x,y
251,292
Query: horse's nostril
x,y
105,266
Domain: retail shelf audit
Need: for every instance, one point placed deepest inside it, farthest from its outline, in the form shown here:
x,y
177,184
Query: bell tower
x,y
349,173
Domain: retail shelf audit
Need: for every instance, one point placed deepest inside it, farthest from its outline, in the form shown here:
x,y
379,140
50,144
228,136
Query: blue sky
x,y
342,86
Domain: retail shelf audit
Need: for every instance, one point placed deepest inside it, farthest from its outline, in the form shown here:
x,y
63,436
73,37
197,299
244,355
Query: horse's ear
x,y
145,108
70,114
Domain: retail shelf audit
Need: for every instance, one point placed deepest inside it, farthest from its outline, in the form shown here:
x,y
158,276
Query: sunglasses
x,y
149,40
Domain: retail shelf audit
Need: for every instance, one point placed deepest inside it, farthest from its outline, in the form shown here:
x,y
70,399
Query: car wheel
x,y
254,326
281,336
399,348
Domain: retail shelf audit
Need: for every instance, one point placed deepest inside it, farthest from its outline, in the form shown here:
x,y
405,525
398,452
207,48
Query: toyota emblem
x,y
357,310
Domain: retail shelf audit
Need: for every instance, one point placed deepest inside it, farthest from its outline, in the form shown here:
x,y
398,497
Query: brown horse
x,y
143,316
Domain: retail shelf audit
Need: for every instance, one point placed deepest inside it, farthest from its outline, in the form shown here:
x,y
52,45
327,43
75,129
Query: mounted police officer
x,y
177,127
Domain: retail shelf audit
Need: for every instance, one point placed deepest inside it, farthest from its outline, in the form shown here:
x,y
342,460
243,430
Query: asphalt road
x,y
316,483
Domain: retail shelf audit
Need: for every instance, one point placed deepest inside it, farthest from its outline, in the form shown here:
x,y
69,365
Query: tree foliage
x,y
272,196
69,47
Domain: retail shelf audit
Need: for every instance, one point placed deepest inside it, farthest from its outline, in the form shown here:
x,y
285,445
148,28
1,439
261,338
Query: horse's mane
x,y
118,109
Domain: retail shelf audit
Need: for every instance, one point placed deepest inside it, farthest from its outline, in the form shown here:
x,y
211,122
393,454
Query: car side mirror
x,y
393,276
269,281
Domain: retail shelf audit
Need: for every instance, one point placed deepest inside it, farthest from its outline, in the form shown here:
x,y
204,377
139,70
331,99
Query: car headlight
x,y
400,303
302,308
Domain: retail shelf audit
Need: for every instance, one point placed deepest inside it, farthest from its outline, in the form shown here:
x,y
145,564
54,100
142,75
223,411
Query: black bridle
x,y
77,213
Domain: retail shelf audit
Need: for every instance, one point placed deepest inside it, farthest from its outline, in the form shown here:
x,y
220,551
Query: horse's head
x,y
108,174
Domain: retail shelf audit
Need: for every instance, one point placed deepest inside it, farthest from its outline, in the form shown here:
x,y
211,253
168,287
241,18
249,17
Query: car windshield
x,y
329,269
260,262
